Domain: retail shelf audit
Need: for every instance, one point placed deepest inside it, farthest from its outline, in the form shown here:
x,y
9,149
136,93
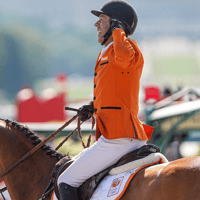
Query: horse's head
x,y
15,142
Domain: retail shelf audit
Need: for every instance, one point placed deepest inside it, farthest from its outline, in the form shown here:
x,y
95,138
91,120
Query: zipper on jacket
x,y
104,63
117,108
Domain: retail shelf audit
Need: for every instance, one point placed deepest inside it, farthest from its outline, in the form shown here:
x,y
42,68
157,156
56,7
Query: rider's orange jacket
x,y
116,90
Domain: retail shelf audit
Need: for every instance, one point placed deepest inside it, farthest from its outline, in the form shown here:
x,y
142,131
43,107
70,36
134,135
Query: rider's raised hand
x,y
86,111
114,24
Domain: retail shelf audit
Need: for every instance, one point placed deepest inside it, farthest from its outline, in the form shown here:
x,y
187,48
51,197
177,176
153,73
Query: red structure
x,y
51,107
31,108
152,92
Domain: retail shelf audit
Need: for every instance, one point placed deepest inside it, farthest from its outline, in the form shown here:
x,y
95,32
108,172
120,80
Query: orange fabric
x,y
148,130
116,90
52,196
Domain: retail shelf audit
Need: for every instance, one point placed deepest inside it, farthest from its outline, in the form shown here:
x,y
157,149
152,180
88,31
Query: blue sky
x,y
154,15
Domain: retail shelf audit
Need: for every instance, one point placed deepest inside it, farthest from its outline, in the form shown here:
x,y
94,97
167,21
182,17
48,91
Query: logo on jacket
x,y
105,58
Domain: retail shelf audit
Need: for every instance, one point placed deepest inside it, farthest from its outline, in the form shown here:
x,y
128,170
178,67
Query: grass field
x,y
175,70
72,147
176,65
80,88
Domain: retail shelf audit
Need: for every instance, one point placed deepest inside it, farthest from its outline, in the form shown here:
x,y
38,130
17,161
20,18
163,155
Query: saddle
x,y
88,187
86,190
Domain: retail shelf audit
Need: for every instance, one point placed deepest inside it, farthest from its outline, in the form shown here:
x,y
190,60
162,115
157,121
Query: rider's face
x,y
102,25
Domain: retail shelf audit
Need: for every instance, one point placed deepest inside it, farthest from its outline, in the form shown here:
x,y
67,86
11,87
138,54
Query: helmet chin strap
x,y
107,35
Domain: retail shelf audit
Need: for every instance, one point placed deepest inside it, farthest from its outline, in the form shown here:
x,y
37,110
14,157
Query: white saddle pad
x,y
6,194
114,186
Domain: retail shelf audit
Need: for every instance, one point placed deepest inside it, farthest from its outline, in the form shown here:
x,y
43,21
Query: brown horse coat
x,y
177,180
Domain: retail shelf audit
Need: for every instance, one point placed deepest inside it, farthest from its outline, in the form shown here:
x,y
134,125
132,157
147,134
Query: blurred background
x,y
48,51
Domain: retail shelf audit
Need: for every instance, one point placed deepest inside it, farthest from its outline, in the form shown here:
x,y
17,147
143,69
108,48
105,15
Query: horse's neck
x,y
30,178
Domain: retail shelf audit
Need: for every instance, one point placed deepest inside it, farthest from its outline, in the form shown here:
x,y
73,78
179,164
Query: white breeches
x,y
101,155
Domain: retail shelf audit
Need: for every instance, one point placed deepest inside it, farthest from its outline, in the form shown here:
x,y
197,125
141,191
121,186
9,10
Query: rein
x,y
49,138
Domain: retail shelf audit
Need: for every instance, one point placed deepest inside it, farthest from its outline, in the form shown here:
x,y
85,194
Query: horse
x,y
176,180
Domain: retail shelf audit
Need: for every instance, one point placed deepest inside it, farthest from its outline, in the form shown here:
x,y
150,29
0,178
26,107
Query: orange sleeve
x,y
124,51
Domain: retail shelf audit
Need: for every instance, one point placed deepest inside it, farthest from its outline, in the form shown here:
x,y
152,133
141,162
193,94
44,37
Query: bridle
x,y
49,138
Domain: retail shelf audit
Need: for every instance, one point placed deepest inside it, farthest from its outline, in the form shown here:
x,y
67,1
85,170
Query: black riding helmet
x,y
120,10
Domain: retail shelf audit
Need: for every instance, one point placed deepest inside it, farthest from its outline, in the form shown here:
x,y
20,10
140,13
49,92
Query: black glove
x,y
86,111
114,23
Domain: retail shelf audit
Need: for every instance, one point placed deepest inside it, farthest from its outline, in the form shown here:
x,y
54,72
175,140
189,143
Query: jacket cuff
x,y
118,34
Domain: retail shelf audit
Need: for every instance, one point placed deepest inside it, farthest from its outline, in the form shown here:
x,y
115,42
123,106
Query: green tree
x,y
24,57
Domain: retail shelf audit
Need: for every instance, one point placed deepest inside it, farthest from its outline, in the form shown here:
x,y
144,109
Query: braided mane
x,y
35,139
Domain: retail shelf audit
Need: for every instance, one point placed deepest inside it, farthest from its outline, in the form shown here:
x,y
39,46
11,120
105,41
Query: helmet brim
x,y
97,12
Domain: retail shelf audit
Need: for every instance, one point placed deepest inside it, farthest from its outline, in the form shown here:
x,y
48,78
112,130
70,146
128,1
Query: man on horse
x,y
116,94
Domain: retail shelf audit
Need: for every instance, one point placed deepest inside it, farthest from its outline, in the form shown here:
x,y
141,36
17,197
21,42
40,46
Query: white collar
x,y
104,49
